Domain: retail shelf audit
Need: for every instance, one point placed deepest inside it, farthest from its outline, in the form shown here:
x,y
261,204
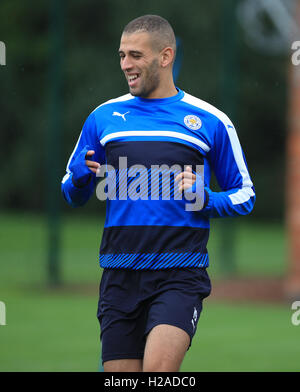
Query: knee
x,y
161,364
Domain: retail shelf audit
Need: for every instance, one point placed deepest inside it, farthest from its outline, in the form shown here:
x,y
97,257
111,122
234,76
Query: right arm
x,y
80,180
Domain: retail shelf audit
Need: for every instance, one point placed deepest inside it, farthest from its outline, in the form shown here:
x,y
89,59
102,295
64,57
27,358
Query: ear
x,y
167,56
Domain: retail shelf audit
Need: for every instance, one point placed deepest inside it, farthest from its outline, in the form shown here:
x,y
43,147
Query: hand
x,y
82,168
92,165
186,179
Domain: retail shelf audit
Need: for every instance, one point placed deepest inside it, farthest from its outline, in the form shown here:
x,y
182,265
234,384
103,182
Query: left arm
x,y
229,165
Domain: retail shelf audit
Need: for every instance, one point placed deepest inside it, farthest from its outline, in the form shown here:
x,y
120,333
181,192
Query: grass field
x,y
57,330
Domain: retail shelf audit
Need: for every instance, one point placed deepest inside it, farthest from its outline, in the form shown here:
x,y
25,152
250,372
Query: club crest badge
x,y
192,122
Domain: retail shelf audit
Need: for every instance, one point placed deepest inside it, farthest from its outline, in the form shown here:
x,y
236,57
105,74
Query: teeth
x,y
131,78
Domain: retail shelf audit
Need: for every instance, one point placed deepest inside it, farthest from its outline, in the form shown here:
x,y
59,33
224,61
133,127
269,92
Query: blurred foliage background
x,y
55,328
91,75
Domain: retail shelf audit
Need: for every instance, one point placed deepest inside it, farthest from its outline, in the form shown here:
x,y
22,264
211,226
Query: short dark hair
x,y
153,24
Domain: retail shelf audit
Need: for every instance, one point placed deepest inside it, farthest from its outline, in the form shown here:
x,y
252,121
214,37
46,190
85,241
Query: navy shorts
x,y
132,302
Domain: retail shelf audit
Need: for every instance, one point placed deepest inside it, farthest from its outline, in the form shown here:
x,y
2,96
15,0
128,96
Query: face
x,y
140,64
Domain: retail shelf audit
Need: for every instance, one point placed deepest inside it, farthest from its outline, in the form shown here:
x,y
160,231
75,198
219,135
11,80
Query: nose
x,y
126,63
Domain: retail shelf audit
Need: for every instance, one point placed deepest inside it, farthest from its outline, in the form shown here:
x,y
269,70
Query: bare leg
x,y
165,348
123,365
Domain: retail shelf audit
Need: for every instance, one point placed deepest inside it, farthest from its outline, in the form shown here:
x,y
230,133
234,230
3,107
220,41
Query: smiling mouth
x,y
132,79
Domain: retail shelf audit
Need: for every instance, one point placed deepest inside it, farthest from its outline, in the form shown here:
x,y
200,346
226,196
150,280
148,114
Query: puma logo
x,y
120,115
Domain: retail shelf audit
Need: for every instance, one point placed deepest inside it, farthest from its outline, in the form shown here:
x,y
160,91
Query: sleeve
x,y
229,165
79,196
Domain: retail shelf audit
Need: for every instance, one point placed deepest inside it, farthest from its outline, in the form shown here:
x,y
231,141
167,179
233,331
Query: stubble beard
x,y
150,82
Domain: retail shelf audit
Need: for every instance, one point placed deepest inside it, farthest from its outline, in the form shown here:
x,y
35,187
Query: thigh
x,y
123,365
179,301
173,317
122,319
165,349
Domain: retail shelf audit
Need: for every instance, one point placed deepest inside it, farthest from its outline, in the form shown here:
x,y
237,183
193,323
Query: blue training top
x,y
155,233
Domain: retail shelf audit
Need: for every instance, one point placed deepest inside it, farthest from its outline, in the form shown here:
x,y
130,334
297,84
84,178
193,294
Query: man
x,y
153,250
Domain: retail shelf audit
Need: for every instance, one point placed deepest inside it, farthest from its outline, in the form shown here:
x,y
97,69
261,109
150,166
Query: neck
x,y
164,90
